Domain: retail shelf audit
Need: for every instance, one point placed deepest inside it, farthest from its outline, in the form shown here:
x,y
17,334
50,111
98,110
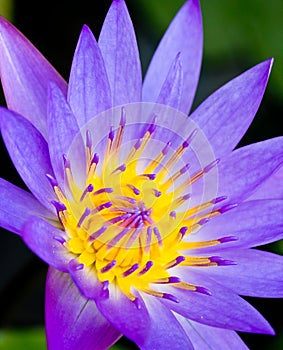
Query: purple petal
x,y
25,75
184,35
43,239
73,322
16,206
64,136
223,308
211,338
272,188
29,153
87,282
128,318
165,332
248,167
225,116
170,93
89,90
117,42
256,273
253,223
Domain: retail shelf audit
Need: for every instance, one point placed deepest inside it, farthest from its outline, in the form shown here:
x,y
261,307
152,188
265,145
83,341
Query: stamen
x,y
131,270
59,239
89,189
120,168
148,239
170,297
103,190
108,267
157,193
173,214
134,189
175,262
97,233
104,290
157,235
168,280
221,262
147,267
137,302
59,206
101,207
227,207
75,266
52,180
228,239
85,214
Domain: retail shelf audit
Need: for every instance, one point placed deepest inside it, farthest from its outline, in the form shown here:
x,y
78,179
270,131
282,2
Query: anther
x,y
211,166
157,235
59,206
157,193
84,216
202,290
218,199
183,231
221,262
152,126
88,189
137,302
103,190
227,207
102,206
104,290
228,239
120,168
111,134
170,297
134,189
88,140
66,161
188,141
149,176
108,267
166,148
75,266
59,239
130,270
95,159
175,262
147,267
173,214
97,233
52,180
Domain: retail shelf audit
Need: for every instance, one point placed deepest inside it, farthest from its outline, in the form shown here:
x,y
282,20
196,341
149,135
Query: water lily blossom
x,y
146,216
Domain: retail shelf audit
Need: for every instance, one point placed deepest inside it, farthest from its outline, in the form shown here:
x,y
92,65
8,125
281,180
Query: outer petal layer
x,y
165,332
73,322
89,91
253,223
29,153
130,318
256,273
25,75
63,132
119,49
45,240
16,206
210,338
225,116
184,36
223,308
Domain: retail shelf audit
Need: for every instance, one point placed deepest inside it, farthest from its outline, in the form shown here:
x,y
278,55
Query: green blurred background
x,y
238,35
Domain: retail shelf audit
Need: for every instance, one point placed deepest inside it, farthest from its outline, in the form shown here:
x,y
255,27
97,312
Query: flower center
x,y
132,221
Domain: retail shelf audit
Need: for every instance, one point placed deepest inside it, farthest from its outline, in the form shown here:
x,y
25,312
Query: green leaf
x,y
22,339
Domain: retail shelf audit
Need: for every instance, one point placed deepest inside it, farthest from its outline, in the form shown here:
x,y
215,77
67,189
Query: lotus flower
x,y
145,216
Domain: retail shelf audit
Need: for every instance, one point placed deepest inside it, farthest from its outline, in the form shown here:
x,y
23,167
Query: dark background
x,y
237,36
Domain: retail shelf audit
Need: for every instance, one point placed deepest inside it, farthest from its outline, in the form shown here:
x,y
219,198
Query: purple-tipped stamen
x,y
188,141
131,270
221,262
166,148
227,207
85,214
147,267
59,239
59,206
134,189
89,189
103,190
52,180
97,233
170,297
120,168
228,239
202,290
109,266
75,266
